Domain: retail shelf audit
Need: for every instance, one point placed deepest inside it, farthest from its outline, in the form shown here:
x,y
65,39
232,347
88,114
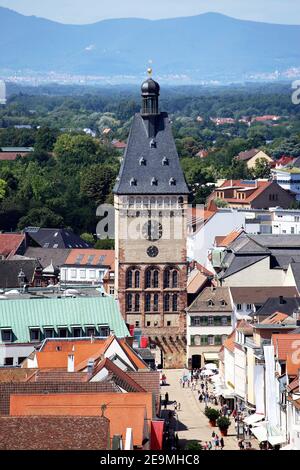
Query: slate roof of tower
x,y
139,146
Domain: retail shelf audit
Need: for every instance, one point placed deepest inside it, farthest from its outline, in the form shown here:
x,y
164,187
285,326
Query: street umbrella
x,y
211,366
207,373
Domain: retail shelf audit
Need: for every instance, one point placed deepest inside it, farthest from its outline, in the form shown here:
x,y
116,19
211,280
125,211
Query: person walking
x,y
213,434
222,444
217,442
167,398
209,445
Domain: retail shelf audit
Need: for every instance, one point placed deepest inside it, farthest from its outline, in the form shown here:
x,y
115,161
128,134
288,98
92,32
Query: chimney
x,y
71,363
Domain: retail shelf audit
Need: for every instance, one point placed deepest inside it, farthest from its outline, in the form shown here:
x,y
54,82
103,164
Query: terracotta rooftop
x,y
283,344
10,242
227,239
91,257
275,318
229,342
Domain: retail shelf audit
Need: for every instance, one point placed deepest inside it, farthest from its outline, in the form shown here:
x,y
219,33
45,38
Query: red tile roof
x,y
227,239
11,156
285,344
10,242
229,342
275,318
91,257
120,377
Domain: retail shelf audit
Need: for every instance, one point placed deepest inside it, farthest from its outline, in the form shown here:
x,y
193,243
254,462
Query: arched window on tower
x,y
174,278
137,279
129,277
167,278
155,278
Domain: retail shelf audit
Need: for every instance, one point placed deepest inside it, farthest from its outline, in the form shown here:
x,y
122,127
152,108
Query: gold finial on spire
x,y
149,71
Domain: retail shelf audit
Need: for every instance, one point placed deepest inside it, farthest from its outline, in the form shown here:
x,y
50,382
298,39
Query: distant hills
x,y
205,47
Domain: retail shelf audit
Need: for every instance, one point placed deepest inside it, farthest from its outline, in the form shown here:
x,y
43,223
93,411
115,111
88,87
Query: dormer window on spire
x,y
154,182
142,161
133,182
165,161
152,144
172,182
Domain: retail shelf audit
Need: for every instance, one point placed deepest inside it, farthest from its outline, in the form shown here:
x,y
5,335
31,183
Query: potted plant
x,y
223,424
212,414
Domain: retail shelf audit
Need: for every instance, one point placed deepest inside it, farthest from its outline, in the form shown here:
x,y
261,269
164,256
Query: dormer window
x,y
210,303
154,182
152,144
133,182
223,303
165,161
142,161
172,182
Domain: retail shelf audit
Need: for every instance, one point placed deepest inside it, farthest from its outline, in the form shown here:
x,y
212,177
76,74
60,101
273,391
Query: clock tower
x,y
150,199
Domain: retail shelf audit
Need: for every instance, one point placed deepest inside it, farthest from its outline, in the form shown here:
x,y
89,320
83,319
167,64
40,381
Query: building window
x,y
76,332
9,361
204,340
73,273
175,303
155,278
168,323
224,321
111,290
210,321
195,321
21,359
210,340
167,278
218,340
148,279
137,324
62,332
92,274
148,323
239,307
129,279
91,331
48,332
34,335
174,278
6,336
137,279
170,278
104,331
249,306
197,340
147,302
137,303
82,274
167,302
129,302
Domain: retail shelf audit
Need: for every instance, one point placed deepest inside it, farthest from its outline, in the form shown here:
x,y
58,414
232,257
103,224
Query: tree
x,y
105,244
220,202
261,169
41,218
96,182
88,237
3,186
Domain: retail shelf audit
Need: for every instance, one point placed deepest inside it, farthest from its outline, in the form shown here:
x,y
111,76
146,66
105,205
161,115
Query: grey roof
x,y
259,295
10,269
55,238
219,297
45,255
296,273
239,263
151,175
286,305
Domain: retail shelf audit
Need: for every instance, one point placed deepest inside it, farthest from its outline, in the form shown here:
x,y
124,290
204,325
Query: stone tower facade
x,y
151,198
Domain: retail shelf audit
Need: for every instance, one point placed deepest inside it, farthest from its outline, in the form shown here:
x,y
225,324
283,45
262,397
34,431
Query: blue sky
x,y
89,11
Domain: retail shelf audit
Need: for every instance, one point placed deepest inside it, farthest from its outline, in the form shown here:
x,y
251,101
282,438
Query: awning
x,y
225,393
254,418
211,356
268,433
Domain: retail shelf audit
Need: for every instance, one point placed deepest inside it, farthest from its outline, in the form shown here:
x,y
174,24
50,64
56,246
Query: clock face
x,y
152,251
152,230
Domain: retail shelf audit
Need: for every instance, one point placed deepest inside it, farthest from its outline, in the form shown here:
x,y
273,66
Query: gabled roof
x,y
228,239
10,242
91,257
292,366
47,255
259,295
281,304
229,341
212,299
121,378
55,238
247,155
151,139
276,318
245,327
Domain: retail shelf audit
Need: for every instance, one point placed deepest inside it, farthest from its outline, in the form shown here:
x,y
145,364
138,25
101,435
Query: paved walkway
x,y
192,424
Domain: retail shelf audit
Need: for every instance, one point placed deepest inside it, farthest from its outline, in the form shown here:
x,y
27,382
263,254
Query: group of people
x,y
216,443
